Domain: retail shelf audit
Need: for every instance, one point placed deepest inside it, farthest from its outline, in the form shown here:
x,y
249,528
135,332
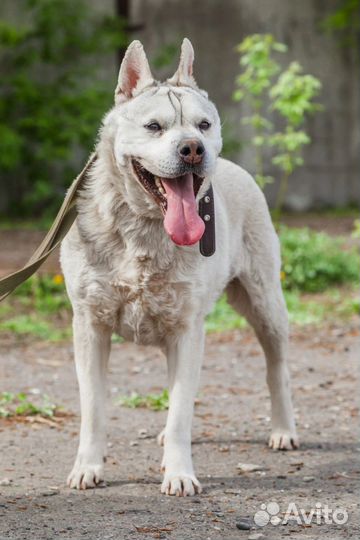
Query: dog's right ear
x,y
134,74
183,76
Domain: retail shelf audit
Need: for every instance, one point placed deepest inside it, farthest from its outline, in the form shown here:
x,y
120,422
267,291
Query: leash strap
x,y
207,213
66,217
63,221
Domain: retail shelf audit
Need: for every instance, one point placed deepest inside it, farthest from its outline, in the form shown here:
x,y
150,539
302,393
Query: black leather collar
x,y
207,213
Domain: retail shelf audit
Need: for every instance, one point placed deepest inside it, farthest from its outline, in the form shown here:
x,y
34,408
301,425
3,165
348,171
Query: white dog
x,y
132,262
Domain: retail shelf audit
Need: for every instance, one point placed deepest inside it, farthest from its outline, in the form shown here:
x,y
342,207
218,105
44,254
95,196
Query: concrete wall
x,y
332,170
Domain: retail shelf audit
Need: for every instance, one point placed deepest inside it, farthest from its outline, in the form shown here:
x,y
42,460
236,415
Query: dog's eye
x,y
204,125
153,126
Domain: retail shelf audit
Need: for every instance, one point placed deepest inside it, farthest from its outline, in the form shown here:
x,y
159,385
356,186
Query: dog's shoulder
x,y
232,176
237,188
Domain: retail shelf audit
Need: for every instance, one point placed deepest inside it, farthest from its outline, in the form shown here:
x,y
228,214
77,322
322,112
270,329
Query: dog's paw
x,y
182,485
283,440
85,475
161,438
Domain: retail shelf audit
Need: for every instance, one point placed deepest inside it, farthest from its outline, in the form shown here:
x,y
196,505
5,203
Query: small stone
x,y
255,536
142,433
243,525
5,482
49,493
133,443
308,478
249,467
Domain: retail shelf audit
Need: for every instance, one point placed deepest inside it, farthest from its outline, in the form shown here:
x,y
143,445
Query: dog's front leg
x,y
91,349
184,362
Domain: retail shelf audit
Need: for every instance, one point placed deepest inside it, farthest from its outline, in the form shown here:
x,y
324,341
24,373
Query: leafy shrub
x,y
266,89
51,97
315,261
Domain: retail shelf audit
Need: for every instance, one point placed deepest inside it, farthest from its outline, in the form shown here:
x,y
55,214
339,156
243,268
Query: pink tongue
x,y
182,221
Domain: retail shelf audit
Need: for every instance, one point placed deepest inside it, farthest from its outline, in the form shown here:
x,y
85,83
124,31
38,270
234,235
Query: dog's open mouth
x,y
177,200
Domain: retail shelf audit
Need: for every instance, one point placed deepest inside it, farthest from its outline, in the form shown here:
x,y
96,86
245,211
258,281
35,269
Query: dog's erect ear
x,y
134,74
183,76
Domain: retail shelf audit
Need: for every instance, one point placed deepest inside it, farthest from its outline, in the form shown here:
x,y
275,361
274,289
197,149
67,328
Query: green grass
x,y
42,309
34,224
20,405
351,211
155,402
303,310
223,317
36,326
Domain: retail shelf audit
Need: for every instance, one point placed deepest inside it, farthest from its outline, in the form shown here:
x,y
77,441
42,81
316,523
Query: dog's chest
x,y
144,305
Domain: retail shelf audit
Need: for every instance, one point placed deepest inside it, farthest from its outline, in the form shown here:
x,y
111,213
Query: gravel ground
x,y
231,426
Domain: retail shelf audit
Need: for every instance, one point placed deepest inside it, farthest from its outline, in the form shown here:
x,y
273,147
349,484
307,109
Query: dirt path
x,y
231,426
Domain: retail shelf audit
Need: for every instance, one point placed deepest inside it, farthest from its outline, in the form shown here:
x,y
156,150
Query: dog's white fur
x,y
124,274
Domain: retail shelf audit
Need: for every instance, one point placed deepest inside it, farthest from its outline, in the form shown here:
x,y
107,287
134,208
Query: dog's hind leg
x,y
264,307
91,348
184,362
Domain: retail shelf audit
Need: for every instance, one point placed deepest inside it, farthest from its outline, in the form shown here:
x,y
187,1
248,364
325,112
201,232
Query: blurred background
x,y
59,63
285,78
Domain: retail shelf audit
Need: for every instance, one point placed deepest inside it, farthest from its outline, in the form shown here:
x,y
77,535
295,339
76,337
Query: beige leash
x,y
63,221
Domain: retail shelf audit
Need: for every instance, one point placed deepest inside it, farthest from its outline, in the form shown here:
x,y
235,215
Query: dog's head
x,y
166,139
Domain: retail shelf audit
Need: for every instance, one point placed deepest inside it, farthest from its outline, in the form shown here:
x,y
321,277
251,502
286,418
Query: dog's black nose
x,y
191,151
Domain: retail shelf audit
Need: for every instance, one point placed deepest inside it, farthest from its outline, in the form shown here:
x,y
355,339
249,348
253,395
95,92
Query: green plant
x,y
51,97
155,402
267,89
313,261
356,229
344,21
45,293
20,405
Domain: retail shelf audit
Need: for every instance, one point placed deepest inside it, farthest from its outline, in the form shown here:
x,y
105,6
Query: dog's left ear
x,y
183,76
134,74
